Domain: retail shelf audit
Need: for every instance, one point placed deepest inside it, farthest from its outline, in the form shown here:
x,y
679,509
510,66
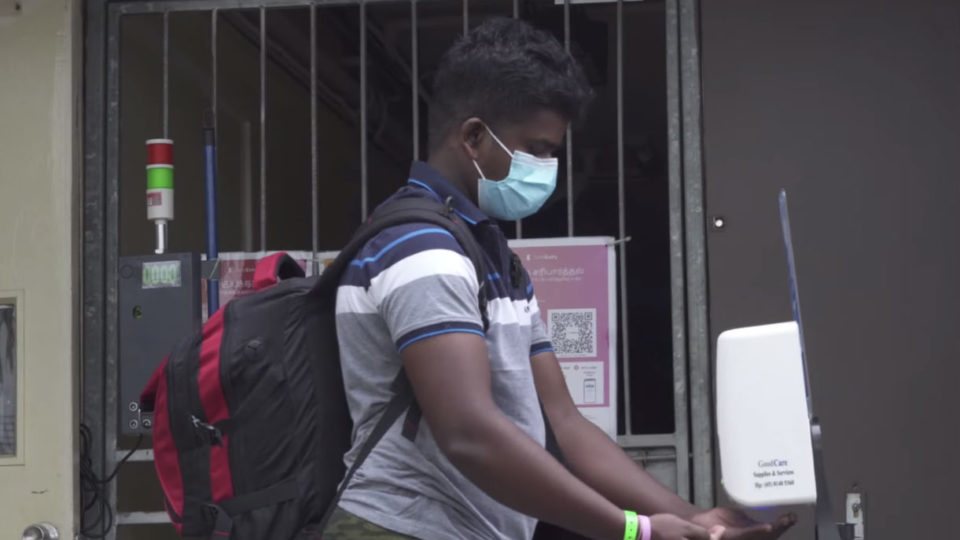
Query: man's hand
x,y
740,527
671,527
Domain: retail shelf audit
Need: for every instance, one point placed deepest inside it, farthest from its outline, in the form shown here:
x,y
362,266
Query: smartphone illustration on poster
x,y
590,391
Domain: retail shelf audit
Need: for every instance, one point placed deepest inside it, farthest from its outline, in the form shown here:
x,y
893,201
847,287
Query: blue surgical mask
x,y
527,186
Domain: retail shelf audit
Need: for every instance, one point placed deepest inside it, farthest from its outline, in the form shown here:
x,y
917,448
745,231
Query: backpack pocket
x,y
262,426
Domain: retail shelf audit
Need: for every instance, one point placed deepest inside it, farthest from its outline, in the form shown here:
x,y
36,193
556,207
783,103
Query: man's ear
x,y
472,135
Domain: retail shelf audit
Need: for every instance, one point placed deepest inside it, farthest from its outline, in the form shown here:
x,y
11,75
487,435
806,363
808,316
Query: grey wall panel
x,y
853,107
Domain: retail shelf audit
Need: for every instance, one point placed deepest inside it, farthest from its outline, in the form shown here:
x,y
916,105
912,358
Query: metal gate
x,y
681,458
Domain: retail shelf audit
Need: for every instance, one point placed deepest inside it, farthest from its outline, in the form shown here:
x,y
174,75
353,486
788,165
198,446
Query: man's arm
x,y
418,280
426,291
450,375
593,457
602,464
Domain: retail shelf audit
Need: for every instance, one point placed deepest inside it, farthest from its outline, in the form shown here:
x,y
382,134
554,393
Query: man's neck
x,y
450,171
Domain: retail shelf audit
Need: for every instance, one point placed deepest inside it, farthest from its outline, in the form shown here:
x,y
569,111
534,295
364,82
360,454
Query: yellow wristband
x,y
632,525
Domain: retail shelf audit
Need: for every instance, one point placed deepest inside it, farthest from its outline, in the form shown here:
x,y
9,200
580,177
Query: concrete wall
x,y
851,106
39,144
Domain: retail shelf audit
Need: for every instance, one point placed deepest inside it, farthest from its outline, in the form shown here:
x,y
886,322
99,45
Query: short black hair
x,y
502,71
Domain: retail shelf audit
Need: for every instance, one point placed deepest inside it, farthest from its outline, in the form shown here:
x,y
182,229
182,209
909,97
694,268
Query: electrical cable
x,y
93,490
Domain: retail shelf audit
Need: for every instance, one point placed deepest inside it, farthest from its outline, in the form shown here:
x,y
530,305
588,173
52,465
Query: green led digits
x,y
161,274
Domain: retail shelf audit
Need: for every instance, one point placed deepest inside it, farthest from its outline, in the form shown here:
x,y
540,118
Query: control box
x,y
159,305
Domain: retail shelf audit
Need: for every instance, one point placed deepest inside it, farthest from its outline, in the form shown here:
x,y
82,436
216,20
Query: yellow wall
x,y
39,145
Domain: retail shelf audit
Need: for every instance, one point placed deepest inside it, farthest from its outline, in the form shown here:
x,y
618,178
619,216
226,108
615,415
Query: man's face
x,y
541,135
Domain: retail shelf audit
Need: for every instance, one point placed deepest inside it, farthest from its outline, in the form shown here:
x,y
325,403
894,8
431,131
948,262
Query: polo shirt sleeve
x,y
539,336
418,278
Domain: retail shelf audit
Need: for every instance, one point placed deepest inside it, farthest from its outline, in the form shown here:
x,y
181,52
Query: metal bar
x,y
516,15
246,176
160,225
466,16
263,129
112,245
641,456
93,342
210,171
166,74
210,192
210,269
288,60
415,77
206,5
214,82
622,231
314,163
666,440
566,44
696,261
162,236
380,38
142,518
363,110
677,278
142,455
157,6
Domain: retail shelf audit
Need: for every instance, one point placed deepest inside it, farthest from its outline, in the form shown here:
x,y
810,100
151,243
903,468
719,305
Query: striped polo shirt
x,y
410,283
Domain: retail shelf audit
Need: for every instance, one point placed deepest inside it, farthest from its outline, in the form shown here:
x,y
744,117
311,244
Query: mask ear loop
x,y
505,149
482,177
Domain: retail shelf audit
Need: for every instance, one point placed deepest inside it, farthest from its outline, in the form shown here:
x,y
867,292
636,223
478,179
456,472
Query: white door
x,y
38,267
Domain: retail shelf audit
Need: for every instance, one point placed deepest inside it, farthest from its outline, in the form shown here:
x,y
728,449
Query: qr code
x,y
573,332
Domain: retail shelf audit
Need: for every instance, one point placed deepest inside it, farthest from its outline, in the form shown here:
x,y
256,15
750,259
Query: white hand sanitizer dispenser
x,y
771,445
766,451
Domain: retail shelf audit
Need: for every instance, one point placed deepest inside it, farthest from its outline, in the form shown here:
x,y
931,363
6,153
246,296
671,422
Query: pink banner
x,y
574,282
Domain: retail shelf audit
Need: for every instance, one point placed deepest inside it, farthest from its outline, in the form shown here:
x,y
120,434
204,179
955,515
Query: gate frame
x,y
693,397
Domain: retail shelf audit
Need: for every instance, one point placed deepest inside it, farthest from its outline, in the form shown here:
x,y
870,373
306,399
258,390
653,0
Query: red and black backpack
x,y
250,416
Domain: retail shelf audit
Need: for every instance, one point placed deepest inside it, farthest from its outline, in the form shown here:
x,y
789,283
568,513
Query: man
x,y
477,468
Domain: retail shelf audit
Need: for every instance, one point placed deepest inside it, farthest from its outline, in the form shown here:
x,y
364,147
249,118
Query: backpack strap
x,y
283,490
399,212
411,210
401,400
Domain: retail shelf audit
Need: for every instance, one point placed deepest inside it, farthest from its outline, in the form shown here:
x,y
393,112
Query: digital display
x,y
161,274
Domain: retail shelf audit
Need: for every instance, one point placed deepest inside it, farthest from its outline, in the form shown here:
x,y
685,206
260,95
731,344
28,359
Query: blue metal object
x,y
210,183
794,291
827,528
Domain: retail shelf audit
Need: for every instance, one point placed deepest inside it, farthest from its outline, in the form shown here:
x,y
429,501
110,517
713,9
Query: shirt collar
x,y
423,175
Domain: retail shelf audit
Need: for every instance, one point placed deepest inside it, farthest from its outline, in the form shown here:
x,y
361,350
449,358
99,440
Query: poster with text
x,y
237,270
574,280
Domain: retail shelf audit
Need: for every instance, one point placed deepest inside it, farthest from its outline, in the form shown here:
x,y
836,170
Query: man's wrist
x,y
689,511
631,525
646,529
636,527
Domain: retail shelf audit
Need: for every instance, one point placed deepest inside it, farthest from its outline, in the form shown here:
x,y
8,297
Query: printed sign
x,y
238,268
575,281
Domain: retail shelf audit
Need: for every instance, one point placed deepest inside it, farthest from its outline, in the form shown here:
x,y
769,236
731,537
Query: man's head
x,y
508,79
